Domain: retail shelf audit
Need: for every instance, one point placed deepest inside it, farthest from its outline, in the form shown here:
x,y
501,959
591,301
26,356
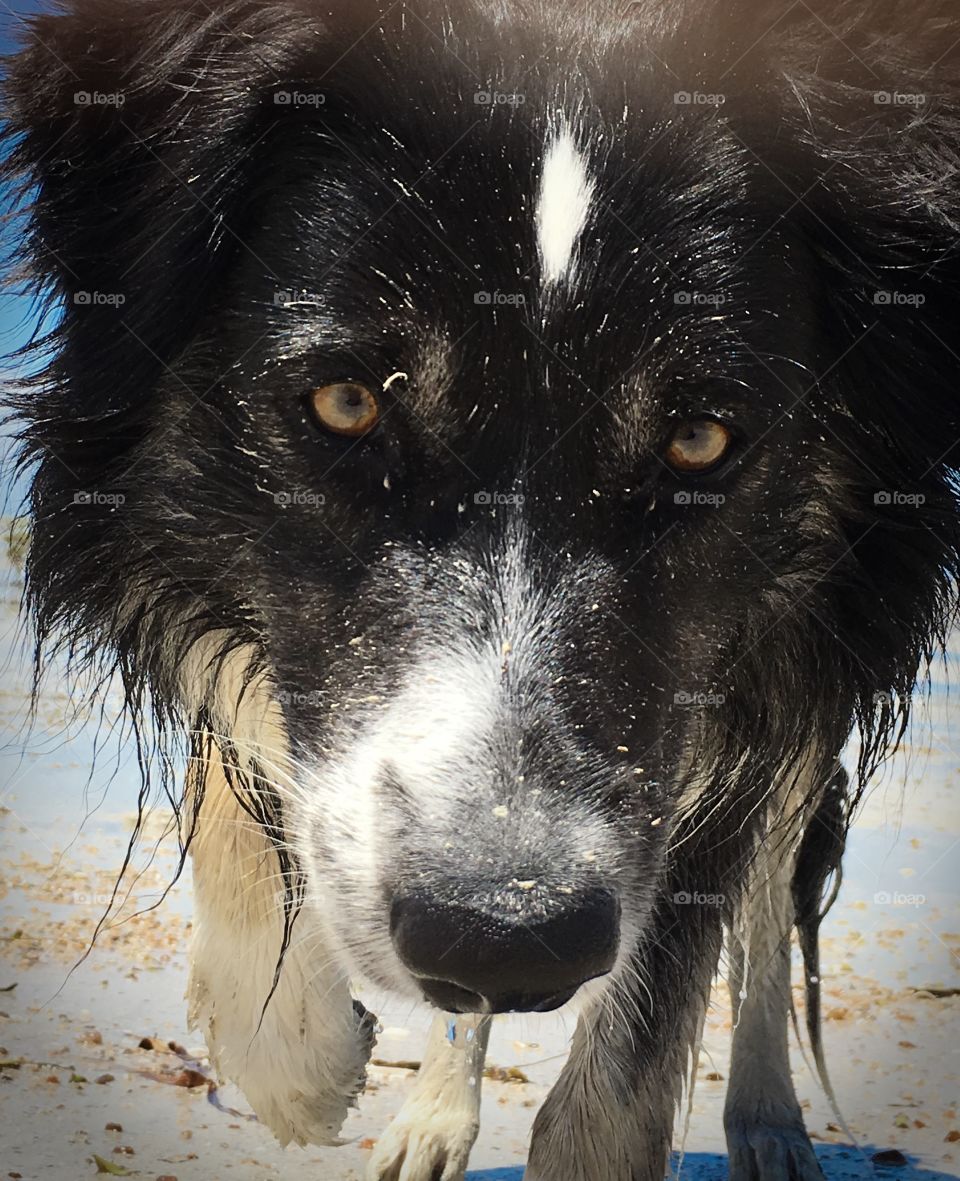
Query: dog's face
x,y
522,469
513,431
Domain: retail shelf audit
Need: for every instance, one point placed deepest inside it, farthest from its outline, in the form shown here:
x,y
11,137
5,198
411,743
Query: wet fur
x,y
236,622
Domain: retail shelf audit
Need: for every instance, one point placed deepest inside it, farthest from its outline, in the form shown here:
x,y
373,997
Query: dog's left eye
x,y
698,445
345,407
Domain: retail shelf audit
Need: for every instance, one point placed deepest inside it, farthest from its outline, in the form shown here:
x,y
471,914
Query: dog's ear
x,y
141,137
870,95
137,130
867,144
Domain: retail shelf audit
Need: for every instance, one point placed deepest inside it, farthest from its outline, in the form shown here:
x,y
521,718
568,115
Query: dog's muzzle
x,y
476,957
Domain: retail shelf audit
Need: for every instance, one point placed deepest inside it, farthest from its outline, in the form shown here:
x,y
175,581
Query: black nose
x,y
481,958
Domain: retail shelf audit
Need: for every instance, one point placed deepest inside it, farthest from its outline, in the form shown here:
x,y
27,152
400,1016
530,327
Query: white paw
x,y
414,1148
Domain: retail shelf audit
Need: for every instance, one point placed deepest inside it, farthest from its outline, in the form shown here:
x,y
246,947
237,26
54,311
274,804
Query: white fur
x,y
434,733
425,733
436,1129
563,205
302,1067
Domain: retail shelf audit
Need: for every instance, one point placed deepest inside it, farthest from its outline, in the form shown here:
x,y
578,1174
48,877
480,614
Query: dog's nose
x,y
473,958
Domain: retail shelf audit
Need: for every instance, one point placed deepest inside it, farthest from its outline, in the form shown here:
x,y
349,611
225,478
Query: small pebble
x,y
891,1157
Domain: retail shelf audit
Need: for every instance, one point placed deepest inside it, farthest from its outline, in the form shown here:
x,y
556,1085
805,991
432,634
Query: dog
x,y
511,447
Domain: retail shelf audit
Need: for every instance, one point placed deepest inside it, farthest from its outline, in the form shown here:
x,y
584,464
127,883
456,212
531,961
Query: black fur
x,y
807,601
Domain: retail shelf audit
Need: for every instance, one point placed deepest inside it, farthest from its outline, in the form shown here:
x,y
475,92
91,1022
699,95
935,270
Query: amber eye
x,y
345,407
698,445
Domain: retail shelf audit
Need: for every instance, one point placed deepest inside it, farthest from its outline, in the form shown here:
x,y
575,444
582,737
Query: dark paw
x,y
763,1150
366,1024
367,1037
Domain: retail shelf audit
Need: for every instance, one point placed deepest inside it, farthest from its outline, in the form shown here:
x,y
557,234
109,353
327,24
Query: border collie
x,y
513,445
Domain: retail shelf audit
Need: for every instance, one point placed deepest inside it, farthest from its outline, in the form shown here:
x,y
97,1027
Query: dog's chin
x,y
448,997
451,998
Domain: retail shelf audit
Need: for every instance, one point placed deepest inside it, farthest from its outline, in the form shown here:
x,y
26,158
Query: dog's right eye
x,y
345,408
698,446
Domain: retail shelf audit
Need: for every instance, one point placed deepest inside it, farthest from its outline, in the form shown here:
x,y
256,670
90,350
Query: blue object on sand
x,y
839,1162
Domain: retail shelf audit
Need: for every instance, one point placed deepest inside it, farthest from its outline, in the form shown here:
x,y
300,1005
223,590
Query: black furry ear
x,y
134,127
870,94
139,139
868,142
877,115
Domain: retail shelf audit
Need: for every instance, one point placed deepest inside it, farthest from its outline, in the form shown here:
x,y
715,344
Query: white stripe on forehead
x,y
563,204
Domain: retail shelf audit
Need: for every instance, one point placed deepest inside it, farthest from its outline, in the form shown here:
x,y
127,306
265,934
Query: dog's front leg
x,y
431,1138
299,1059
765,1134
610,1116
